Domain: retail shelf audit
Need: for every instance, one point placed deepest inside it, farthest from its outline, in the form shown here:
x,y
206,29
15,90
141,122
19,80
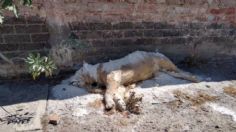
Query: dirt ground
x,y
169,104
187,107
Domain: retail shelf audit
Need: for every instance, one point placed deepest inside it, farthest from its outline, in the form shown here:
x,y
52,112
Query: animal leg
x,y
170,68
182,75
119,100
113,83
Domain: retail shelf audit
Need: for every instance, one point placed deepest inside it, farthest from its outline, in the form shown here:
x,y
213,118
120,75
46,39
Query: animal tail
x,y
182,75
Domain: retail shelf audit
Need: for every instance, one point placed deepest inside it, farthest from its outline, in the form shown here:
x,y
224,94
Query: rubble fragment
x,y
53,119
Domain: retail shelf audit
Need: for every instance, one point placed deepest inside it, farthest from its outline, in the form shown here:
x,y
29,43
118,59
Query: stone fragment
x,y
54,119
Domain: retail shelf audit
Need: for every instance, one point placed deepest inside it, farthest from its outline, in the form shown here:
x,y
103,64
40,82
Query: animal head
x,y
84,77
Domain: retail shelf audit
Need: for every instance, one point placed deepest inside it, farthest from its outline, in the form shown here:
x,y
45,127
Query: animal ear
x,y
85,63
86,66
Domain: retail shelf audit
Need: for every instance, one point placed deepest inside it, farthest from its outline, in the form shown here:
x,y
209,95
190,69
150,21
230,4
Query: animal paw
x,y
110,105
120,103
109,102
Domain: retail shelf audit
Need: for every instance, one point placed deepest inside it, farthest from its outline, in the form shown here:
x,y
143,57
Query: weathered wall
x,y
175,27
23,34
113,28
176,41
145,10
26,34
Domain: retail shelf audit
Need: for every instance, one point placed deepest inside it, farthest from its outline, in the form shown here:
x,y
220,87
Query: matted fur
x,y
115,74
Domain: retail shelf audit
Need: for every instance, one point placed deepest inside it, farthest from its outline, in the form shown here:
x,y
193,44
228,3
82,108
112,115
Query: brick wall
x,y
174,11
22,36
177,41
114,28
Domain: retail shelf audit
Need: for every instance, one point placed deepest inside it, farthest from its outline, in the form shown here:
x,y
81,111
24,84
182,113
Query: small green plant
x,y
12,5
38,65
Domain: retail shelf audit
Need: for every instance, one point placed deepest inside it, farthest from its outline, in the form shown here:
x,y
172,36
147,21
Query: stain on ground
x,y
194,100
98,103
231,90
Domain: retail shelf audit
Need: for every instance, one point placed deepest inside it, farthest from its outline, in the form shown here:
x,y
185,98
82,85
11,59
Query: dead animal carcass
x,y
117,76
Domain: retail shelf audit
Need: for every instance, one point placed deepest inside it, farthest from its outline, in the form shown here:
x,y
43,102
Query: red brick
x,y
89,34
17,38
9,47
123,25
90,26
215,11
6,29
35,20
133,33
40,37
14,20
31,46
231,18
227,11
112,34
54,119
1,39
230,11
28,28
175,2
44,28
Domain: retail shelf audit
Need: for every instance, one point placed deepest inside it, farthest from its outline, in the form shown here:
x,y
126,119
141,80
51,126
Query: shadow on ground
x,y
20,91
18,97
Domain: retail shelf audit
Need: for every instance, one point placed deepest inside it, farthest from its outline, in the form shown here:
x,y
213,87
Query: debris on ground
x,y
195,100
133,103
53,119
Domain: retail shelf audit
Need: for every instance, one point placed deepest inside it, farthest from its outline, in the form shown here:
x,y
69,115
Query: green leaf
x,y
37,65
14,9
27,2
11,6
1,19
7,3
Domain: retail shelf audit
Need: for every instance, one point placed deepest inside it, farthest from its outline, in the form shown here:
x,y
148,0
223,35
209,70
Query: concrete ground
x,y
22,105
169,105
